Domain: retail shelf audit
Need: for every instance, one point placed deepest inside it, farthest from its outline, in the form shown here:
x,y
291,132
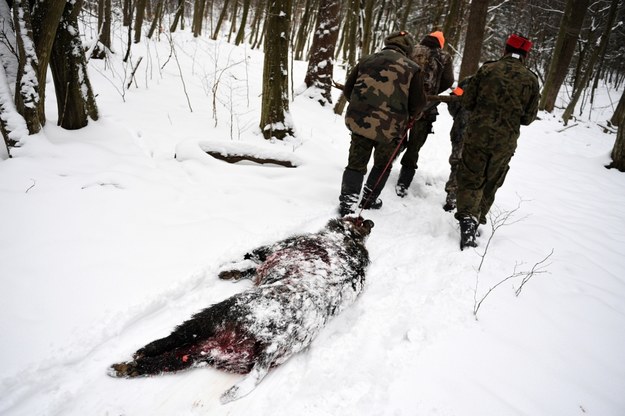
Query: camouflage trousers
x,y
360,153
416,139
451,187
480,174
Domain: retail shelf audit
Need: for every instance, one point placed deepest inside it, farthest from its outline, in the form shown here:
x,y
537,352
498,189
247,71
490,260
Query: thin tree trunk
x,y
367,28
241,35
475,38
450,25
302,31
570,28
198,17
104,27
45,21
407,8
619,113
220,21
255,25
74,96
27,86
618,151
350,47
158,15
127,12
139,19
179,17
275,101
233,24
605,37
321,62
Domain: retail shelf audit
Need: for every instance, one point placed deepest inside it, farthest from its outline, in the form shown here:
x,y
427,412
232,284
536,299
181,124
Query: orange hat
x,y
441,38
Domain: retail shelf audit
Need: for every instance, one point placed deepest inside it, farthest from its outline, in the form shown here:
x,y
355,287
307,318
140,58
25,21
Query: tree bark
x,y
104,29
619,113
321,62
475,38
350,48
127,13
26,87
275,102
222,16
178,17
592,61
367,28
450,26
241,34
233,23
302,31
45,20
74,96
618,151
564,49
139,19
158,16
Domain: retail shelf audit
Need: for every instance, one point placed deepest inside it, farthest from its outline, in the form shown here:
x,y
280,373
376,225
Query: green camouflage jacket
x,y
384,90
501,96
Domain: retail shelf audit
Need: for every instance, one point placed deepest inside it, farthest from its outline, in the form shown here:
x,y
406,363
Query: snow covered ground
x,y
109,240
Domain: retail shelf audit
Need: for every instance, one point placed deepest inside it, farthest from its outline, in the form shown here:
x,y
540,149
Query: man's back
x,y
434,63
502,96
379,97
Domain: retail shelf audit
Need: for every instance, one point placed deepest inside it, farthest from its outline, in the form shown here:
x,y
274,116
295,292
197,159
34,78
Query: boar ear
x,y
366,227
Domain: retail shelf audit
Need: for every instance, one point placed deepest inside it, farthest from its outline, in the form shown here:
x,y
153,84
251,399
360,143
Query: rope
x,y
388,165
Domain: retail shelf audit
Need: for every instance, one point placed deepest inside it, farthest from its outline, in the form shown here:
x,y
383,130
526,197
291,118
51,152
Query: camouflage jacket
x,y
501,96
384,90
437,67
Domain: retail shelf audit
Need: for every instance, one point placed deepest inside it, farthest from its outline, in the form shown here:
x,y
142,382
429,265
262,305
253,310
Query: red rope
x,y
388,164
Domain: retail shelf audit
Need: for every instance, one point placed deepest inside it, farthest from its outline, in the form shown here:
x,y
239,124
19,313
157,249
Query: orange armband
x,y
458,91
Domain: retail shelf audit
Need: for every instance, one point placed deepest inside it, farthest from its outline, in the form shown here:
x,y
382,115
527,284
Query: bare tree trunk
x,y
27,87
475,38
104,30
592,61
241,35
139,19
619,113
158,15
367,28
350,47
256,21
570,28
74,96
45,20
179,17
321,62
450,26
222,16
127,12
233,23
407,8
618,151
198,17
302,31
275,102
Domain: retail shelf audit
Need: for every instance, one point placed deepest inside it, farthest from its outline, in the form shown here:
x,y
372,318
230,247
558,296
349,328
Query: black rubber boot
x,y
403,182
374,185
350,191
468,227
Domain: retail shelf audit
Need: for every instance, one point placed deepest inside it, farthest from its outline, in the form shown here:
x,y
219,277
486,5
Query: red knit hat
x,y
519,42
